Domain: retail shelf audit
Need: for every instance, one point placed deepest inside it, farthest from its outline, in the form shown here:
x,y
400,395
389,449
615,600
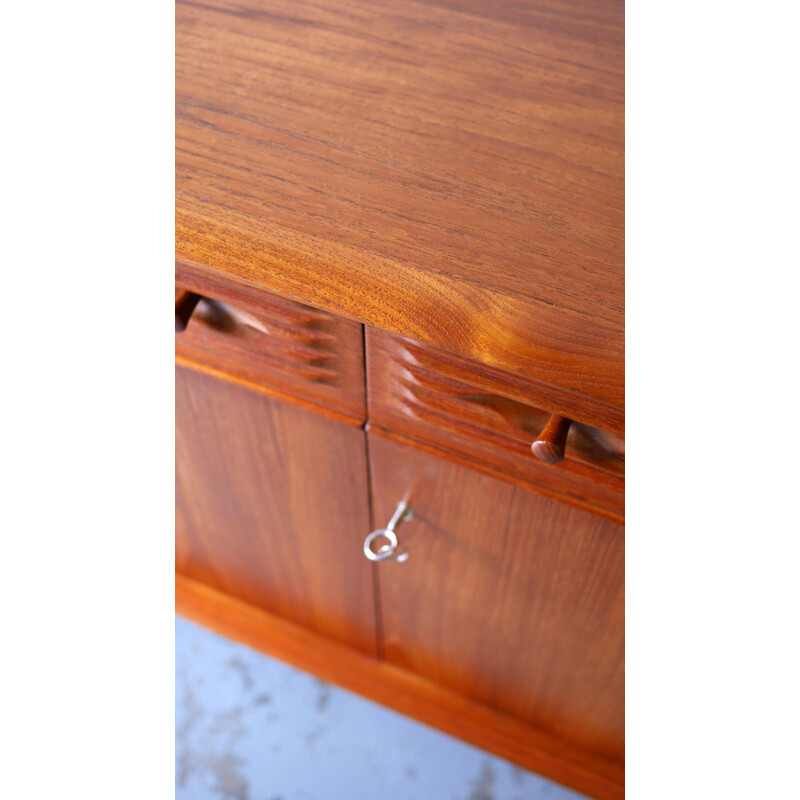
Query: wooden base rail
x,y
399,690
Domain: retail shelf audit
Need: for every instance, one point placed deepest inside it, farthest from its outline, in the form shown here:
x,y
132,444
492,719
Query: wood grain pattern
x,y
496,571
272,507
275,343
399,690
449,171
488,415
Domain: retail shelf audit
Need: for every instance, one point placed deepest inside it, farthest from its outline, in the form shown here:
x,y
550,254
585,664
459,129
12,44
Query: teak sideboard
x,y
400,308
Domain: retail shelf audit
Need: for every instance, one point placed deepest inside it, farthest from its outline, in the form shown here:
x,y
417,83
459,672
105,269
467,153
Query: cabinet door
x,y
272,505
508,597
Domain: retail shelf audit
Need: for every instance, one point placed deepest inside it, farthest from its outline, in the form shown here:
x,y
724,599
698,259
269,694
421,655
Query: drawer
x,y
263,341
491,418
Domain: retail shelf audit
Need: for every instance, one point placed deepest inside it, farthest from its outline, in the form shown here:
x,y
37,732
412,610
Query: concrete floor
x,y
251,728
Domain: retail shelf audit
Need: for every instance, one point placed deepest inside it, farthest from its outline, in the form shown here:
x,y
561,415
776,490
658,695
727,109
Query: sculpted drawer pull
x,y
549,445
389,548
185,303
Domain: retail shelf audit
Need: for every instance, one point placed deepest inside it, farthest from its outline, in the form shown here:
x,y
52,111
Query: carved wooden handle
x,y
549,445
185,303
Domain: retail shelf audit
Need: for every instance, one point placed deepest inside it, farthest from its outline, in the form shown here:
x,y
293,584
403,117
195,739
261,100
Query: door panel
x,y
272,506
508,597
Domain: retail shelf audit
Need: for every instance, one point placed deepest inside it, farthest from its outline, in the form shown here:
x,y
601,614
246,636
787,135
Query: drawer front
x,y
270,343
489,417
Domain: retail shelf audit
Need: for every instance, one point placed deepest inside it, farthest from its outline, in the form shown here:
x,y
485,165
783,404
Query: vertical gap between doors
x,y
376,584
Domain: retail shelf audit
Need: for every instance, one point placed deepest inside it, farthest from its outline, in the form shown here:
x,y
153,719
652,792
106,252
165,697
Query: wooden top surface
x,y
450,171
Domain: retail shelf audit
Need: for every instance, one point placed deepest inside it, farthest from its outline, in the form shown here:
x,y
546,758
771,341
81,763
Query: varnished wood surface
x,y
272,507
508,598
277,344
449,171
550,443
491,417
399,690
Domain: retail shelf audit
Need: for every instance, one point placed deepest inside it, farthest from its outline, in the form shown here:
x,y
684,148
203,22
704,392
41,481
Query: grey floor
x,y
251,728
